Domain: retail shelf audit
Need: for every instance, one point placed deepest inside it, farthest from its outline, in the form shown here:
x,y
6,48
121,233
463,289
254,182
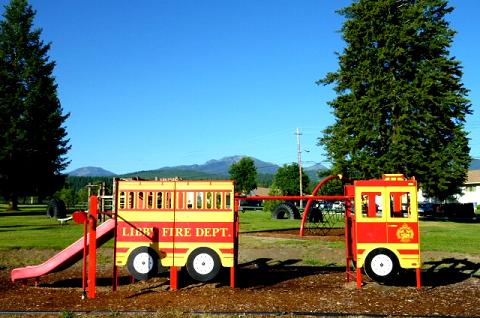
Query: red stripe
x,y
409,252
168,232
160,225
177,250
174,250
171,210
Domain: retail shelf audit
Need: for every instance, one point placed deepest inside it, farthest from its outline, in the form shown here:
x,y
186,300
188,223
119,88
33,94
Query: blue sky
x,y
156,83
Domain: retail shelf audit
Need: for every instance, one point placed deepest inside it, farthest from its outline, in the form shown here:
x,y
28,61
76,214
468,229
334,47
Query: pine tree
x,y
400,106
32,139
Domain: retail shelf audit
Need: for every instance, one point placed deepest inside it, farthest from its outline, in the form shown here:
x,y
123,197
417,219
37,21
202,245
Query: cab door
x,y
370,215
402,225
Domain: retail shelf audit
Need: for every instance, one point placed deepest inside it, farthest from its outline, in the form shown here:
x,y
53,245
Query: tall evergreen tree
x,y
244,173
400,105
33,140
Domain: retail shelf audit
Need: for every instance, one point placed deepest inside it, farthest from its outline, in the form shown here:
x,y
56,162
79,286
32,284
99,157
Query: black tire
x,y
56,208
382,265
61,210
285,211
142,263
203,264
52,206
315,215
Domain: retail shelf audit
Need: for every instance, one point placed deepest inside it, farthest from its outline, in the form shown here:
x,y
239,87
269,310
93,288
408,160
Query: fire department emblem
x,y
405,233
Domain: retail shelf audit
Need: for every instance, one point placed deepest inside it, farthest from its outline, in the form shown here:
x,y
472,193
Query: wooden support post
x,y
85,253
92,253
419,277
115,278
359,277
232,276
173,278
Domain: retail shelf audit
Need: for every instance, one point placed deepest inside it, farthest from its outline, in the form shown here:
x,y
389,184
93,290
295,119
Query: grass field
x,y
31,228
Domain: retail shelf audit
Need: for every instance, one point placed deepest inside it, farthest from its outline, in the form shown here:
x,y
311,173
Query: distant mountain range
x,y
212,169
475,164
221,166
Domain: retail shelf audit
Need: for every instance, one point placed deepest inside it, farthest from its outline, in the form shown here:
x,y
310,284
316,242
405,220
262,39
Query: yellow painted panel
x,y
167,262
146,216
391,246
204,185
410,262
145,185
132,245
179,185
227,261
406,261
194,245
121,259
207,216
189,245
178,216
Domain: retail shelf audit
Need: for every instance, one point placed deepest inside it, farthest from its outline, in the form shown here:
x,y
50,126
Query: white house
x,y
471,189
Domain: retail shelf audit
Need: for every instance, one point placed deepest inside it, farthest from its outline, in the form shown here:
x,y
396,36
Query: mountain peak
x,y
231,159
221,166
91,172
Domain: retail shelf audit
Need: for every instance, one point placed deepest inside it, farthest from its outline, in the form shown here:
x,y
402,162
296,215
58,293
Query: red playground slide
x,y
65,258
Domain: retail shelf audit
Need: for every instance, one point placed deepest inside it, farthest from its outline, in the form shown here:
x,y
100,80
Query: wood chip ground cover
x,y
269,280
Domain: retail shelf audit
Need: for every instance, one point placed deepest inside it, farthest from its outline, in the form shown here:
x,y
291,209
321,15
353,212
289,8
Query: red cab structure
x,y
382,228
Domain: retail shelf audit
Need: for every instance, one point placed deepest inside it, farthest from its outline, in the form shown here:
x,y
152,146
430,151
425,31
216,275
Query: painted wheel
x,y
143,263
381,265
203,264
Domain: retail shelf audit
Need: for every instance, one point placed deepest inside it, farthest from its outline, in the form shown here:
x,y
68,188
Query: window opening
x,y
159,200
209,200
190,197
122,200
130,200
180,197
372,204
140,200
218,200
227,200
168,200
400,204
150,200
199,200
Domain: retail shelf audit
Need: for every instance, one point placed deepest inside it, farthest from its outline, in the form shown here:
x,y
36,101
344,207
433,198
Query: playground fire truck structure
x,y
173,223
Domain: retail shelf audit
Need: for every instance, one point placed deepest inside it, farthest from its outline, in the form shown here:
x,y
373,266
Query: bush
x,y
269,205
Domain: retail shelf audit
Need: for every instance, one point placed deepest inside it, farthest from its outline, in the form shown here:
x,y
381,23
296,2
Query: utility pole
x,y
299,152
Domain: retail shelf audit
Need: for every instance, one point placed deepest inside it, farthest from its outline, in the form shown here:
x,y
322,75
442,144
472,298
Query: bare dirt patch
x,y
268,281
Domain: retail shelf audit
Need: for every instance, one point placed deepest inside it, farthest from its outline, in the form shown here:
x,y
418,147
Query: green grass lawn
x,y
252,221
37,231
29,230
448,236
